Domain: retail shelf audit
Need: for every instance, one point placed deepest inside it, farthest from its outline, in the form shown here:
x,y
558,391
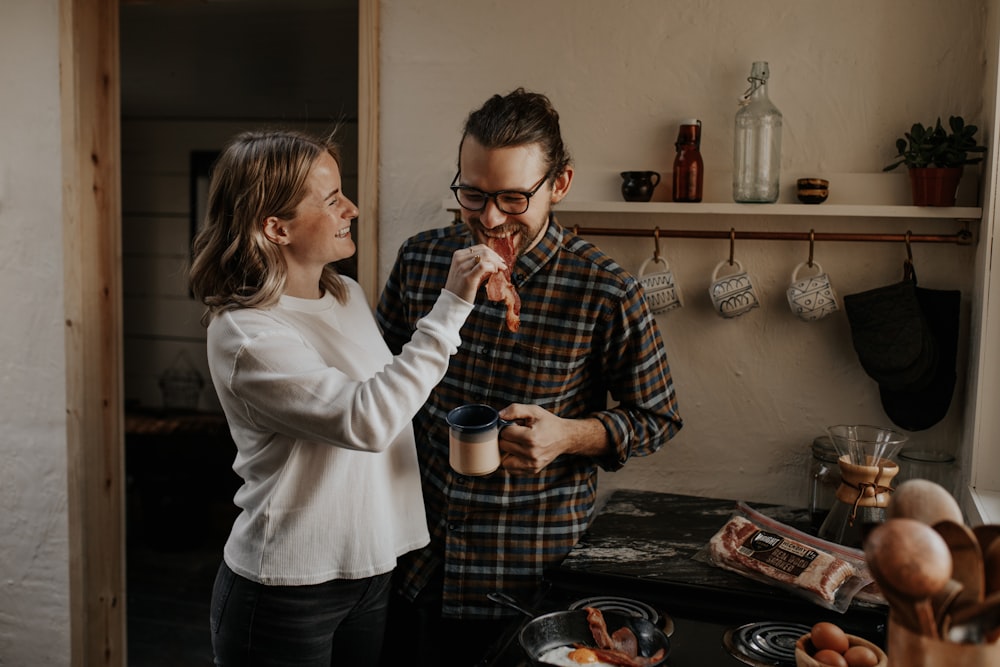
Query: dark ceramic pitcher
x,y
639,185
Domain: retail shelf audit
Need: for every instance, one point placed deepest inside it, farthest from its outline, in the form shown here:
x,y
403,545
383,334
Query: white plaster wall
x,y
849,76
34,574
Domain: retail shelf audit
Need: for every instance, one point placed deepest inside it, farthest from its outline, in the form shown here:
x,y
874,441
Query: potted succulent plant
x,y
935,158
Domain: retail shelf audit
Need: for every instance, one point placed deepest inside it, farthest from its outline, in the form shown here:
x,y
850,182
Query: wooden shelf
x,y
805,210
880,196
971,213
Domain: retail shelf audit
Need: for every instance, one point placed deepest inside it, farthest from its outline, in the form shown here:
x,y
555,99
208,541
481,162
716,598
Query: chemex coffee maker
x,y
867,467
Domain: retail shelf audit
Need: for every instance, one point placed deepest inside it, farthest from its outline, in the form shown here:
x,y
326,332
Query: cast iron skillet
x,y
563,628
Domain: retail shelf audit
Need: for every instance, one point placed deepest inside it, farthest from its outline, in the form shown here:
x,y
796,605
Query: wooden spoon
x,y
991,568
986,534
977,622
942,601
923,500
911,563
902,606
967,559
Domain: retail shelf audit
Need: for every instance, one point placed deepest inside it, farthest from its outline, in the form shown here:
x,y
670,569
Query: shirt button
x,y
454,527
461,480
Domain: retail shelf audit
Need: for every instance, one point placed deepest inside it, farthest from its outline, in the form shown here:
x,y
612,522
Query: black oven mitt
x,y
906,338
919,409
890,335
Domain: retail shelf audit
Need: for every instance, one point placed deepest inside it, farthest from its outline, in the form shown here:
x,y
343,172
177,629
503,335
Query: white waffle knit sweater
x,y
320,412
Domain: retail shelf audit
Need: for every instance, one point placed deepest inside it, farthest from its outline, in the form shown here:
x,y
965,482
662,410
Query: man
x,y
584,332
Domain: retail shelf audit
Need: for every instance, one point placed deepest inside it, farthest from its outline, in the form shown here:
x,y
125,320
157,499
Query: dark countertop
x,y
654,535
640,545
645,541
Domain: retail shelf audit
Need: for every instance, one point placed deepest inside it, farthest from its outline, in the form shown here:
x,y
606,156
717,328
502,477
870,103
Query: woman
x,y
319,409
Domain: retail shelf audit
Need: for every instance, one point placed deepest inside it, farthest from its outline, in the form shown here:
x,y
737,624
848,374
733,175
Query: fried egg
x,y
568,656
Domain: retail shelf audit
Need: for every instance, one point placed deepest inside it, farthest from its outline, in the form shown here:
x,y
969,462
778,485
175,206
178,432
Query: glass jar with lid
x,y
824,478
931,464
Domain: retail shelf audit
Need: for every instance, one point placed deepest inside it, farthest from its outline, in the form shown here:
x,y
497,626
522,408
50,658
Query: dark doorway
x,y
192,75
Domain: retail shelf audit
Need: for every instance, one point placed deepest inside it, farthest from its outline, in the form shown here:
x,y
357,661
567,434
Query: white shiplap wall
x,y
162,320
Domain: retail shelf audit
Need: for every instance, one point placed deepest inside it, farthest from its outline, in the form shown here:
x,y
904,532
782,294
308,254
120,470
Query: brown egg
x,y
860,656
830,658
830,637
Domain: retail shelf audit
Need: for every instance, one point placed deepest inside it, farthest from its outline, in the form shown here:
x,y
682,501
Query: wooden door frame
x,y
89,100
368,146
91,149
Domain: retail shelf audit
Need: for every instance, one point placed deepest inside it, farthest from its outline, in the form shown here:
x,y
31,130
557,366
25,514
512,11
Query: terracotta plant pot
x,y
934,186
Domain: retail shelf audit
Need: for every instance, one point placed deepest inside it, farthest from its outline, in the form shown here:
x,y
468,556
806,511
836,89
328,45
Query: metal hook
x,y
656,240
812,241
732,245
908,271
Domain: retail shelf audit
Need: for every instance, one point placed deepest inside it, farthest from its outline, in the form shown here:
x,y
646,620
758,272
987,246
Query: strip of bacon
x,y
619,648
623,639
598,628
499,287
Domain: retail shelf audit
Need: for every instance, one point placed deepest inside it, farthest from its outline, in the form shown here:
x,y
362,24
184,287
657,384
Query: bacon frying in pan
x,y
620,647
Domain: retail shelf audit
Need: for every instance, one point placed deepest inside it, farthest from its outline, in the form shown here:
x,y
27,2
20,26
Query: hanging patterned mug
x,y
812,298
660,287
733,294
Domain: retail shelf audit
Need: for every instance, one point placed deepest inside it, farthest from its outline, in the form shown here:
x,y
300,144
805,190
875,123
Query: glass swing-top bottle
x,y
757,149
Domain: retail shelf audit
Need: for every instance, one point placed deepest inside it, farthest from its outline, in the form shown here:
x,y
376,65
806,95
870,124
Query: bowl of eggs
x,y
826,645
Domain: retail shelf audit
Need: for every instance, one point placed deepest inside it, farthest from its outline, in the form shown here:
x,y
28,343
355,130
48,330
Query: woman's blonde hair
x,y
259,174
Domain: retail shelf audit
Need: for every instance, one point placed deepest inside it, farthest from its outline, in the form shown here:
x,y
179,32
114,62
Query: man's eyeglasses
x,y
511,202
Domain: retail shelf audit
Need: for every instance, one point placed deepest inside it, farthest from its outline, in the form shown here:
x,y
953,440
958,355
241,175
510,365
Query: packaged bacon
x,y
766,550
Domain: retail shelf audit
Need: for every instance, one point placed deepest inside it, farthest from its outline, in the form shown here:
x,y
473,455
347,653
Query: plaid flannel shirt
x,y
585,333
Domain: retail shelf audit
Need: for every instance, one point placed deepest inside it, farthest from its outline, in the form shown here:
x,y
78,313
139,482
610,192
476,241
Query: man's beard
x,y
524,238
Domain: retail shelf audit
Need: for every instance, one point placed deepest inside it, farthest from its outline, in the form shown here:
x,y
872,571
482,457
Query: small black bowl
x,y
813,190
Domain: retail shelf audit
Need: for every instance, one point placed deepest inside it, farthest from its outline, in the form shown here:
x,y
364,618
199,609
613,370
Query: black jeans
x,y
417,635
340,622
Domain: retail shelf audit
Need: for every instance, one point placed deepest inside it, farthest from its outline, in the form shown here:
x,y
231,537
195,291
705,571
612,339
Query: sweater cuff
x,y
447,316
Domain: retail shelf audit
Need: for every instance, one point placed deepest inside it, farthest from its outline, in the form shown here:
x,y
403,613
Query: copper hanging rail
x,y
963,237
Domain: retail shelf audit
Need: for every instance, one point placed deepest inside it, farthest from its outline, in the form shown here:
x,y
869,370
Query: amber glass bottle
x,y
689,169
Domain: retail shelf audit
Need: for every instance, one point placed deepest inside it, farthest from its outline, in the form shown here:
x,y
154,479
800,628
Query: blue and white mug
x,y
473,432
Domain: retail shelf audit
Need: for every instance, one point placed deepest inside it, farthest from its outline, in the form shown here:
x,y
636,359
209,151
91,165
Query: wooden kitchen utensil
x,y
967,560
909,649
991,568
911,563
942,601
923,500
986,534
902,606
977,623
